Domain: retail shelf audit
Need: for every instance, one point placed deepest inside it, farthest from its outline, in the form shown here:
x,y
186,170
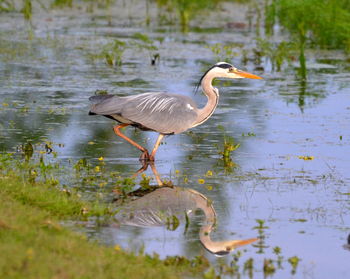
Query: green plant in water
x,y
324,23
143,42
27,9
228,147
225,52
186,9
125,185
145,182
278,53
294,261
7,6
62,3
112,53
28,150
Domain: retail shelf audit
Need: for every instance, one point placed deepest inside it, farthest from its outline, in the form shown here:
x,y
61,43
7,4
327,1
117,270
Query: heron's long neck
x,y
213,99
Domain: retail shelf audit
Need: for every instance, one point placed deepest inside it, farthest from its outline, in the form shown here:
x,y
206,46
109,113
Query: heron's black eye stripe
x,y
224,66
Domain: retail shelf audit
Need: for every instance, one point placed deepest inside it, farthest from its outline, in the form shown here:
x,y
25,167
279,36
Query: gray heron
x,y
161,112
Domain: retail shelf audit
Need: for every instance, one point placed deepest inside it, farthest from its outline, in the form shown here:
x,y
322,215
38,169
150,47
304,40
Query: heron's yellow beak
x,y
246,75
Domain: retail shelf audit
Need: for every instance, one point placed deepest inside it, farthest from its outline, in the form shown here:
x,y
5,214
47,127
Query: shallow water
x,y
279,122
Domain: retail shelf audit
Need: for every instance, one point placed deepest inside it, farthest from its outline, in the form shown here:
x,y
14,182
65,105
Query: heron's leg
x,y
145,155
159,139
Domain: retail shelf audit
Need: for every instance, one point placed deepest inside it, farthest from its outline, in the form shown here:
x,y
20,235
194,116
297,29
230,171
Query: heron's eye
x,y
232,70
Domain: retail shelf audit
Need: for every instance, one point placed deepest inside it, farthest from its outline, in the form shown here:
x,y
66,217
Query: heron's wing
x,y
163,112
107,104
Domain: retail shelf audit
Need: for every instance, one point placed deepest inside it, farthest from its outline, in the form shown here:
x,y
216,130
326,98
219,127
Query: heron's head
x,y
226,70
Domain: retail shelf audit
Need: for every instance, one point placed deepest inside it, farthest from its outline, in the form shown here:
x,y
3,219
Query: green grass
x,y
33,243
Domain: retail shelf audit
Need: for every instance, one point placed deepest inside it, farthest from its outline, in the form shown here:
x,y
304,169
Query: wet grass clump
x,y
226,149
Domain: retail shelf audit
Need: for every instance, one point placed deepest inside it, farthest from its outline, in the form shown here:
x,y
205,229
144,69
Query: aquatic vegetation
x,y
225,52
229,144
201,181
7,5
62,3
294,261
306,158
143,42
113,52
325,24
186,10
226,149
277,53
27,9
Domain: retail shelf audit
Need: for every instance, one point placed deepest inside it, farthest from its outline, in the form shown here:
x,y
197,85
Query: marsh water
x,y
290,172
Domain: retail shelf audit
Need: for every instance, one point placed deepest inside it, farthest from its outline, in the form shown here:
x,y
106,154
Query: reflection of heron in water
x,y
156,208
161,112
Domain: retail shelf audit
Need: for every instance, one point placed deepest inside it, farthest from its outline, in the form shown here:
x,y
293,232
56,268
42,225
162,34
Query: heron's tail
x,y
99,99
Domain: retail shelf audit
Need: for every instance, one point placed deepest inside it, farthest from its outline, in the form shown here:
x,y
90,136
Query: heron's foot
x,y
144,156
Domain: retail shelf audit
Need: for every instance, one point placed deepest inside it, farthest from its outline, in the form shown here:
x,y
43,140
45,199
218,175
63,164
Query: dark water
x,y
291,169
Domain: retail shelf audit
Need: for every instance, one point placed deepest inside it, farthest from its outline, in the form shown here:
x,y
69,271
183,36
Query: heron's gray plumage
x,y
162,112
